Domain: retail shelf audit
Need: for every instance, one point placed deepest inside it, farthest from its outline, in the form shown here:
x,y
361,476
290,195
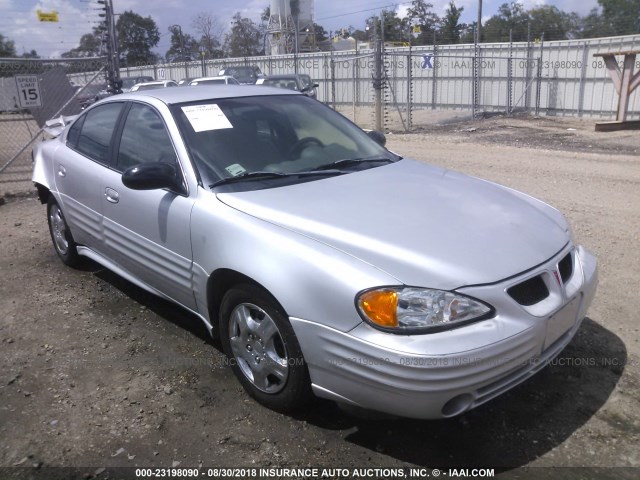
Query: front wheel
x,y
62,240
262,348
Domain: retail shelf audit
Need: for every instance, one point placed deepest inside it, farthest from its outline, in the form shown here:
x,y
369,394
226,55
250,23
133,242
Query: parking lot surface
x,y
97,373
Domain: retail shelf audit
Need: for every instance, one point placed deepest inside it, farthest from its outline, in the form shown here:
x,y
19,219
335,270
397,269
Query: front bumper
x,y
447,373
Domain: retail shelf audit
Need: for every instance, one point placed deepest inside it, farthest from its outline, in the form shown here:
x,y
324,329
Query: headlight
x,y
419,310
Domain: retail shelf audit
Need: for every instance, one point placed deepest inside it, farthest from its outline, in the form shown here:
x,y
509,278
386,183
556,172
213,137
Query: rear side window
x,y
74,133
96,131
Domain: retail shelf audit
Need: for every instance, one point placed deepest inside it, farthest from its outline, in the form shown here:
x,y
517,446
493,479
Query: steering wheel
x,y
301,144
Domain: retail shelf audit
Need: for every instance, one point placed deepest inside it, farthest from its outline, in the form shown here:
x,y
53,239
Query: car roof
x,y
290,75
172,96
218,77
155,82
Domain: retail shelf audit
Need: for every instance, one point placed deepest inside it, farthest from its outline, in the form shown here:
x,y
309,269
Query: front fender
x,y
311,280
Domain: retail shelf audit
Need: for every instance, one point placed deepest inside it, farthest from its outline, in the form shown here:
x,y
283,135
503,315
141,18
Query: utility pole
x,y
479,25
114,84
184,59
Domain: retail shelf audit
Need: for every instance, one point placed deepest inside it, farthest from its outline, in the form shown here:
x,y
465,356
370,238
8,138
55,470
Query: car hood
x,y
423,225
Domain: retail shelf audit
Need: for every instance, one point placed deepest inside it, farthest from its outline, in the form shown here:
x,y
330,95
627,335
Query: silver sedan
x,y
325,263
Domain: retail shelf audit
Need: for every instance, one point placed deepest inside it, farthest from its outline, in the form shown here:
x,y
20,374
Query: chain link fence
x,y
33,91
397,89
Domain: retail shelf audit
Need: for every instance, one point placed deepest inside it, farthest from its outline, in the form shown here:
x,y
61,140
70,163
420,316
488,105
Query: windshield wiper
x,y
346,162
271,175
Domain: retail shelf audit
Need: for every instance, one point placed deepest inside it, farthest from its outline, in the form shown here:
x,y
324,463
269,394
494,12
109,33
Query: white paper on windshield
x,y
235,169
206,117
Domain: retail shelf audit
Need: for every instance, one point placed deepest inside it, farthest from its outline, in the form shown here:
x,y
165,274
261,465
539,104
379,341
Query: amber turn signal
x,y
380,306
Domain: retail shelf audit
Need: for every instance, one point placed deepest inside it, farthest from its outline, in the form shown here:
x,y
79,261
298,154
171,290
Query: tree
x,y
137,35
31,54
320,33
393,28
620,17
553,23
266,14
210,32
7,47
593,25
184,47
245,38
90,45
420,14
511,17
450,28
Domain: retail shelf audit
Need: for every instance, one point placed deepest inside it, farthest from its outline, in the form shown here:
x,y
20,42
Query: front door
x,y
147,232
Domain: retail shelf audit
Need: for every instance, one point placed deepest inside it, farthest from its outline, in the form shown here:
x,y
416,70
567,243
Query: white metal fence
x,y
550,78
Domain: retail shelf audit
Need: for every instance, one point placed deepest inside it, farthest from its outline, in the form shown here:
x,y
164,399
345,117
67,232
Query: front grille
x,y
565,267
529,292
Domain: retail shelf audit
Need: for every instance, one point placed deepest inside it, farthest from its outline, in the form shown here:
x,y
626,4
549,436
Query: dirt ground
x,y
97,373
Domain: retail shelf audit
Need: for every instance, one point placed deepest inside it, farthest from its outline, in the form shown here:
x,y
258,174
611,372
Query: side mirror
x,y
378,137
309,87
152,176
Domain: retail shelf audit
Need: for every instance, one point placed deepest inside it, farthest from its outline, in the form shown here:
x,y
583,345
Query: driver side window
x,y
144,139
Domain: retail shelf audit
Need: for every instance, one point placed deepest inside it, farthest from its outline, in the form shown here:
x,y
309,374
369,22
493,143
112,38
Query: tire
x,y
262,348
61,236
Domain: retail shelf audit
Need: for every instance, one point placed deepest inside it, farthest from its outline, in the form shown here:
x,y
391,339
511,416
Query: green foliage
x,y
511,17
614,17
90,45
7,47
451,29
184,48
420,14
553,23
210,32
390,26
245,38
137,35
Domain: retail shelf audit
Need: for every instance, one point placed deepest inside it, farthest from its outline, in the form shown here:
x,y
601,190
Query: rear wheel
x,y
62,240
262,347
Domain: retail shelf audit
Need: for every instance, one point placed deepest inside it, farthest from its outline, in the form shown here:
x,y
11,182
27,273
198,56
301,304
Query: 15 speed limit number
x,y
28,91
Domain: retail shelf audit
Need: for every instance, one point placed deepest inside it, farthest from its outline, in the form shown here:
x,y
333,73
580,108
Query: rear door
x,y
147,232
80,168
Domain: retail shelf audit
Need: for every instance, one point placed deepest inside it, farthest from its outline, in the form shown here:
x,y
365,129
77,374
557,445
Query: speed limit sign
x,y
28,91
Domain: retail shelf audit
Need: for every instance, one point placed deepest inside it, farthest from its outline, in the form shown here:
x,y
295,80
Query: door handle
x,y
112,195
62,171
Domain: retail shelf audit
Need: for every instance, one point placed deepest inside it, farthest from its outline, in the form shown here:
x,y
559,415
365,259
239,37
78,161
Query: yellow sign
x,y
47,16
417,29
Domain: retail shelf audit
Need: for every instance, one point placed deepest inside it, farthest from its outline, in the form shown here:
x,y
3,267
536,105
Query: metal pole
x,y
113,64
184,58
583,75
479,26
377,81
527,97
434,73
475,73
409,89
355,81
539,77
510,75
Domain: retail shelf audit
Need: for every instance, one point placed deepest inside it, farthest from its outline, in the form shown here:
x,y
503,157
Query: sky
x,y
19,20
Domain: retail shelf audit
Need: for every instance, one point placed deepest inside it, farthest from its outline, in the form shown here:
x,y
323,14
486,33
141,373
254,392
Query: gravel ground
x,y
97,373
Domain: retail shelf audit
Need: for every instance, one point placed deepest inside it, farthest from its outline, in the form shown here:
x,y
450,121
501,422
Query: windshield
x,y
150,87
233,137
289,83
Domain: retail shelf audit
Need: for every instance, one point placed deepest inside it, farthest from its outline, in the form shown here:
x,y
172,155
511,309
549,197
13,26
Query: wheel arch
x,y
222,280
43,193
